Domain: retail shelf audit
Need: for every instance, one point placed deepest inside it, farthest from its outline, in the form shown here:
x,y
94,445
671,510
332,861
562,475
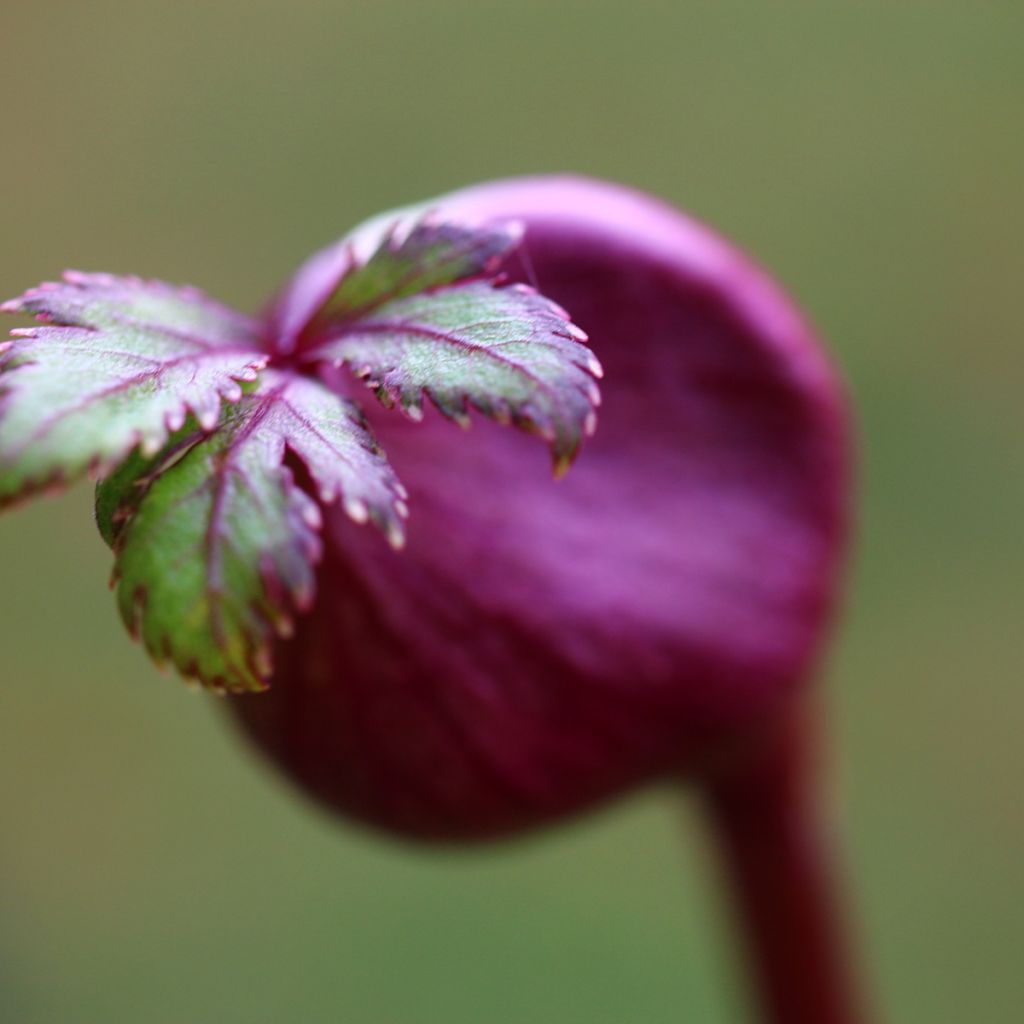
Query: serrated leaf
x,y
429,254
220,552
120,363
508,352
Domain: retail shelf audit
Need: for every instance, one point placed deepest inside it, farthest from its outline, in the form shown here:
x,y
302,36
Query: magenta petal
x,y
538,646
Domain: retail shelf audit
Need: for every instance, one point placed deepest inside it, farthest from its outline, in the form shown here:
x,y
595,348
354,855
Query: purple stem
x,y
767,817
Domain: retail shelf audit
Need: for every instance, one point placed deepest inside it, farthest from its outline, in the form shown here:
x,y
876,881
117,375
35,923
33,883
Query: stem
x,y
766,814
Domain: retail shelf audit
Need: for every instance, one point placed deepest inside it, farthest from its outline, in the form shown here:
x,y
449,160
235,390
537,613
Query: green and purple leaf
x,y
214,467
120,363
507,352
409,260
218,553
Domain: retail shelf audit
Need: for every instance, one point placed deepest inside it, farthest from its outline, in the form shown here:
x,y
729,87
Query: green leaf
x,y
120,364
119,494
219,553
508,352
429,254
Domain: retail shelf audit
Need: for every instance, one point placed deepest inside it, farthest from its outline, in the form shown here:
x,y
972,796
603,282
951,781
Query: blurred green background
x,y
871,154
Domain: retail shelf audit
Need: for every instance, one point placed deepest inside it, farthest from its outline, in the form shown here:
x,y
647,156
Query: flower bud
x,y
540,646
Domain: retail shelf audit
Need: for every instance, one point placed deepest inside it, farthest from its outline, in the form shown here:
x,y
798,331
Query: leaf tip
x,y
356,509
263,667
561,463
175,420
311,514
207,418
395,535
150,445
284,626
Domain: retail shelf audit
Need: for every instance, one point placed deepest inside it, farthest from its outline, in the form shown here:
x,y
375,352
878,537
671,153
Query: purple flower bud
x,y
540,646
